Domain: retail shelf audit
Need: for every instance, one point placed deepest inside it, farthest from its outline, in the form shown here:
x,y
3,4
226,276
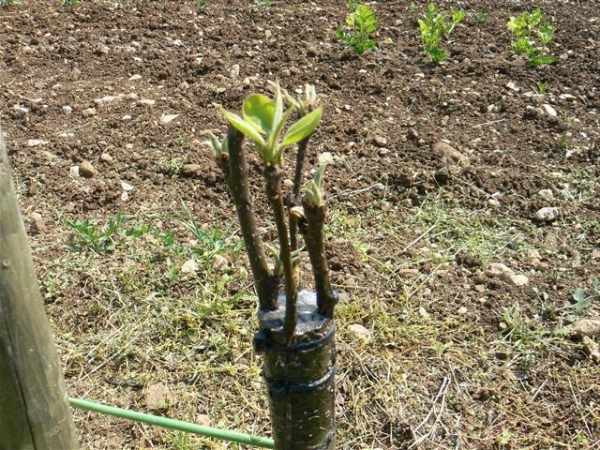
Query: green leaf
x,y
259,110
246,128
303,127
579,294
278,105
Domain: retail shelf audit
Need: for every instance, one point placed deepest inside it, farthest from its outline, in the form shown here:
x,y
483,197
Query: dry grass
x,y
459,369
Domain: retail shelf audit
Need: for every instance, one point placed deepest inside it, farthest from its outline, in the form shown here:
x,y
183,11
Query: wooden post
x,y
34,409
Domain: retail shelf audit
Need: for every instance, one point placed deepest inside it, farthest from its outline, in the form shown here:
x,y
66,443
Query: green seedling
x,y
88,236
210,242
583,299
362,22
531,35
106,238
265,3
4,3
69,2
433,26
480,16
541,86
201,5
561,142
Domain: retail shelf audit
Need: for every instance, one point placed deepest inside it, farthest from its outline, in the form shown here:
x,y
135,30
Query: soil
x,y
92,86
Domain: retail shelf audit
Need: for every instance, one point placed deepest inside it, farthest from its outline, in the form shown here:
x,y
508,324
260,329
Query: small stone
x,y
409,273
19,111
380,141
503,352
147,102
190,266
37,224
591,348
324,158
462,310
124,196
101,50
36,142
584,327
167,118
106,158
126,186
424,313
87,170
519,280
183,85
449,155
202,419
549,109
501,271
546,194
126,118
74,171
547,215
89,112
219,263
158,397
359,332
480,288
234,71
383,151
191,170
512,86
67,109
567,97
135,77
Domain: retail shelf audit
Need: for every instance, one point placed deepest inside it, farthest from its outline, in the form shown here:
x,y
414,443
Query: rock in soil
x,y
547,215
87,170
584,327
449,155
37,224
158,397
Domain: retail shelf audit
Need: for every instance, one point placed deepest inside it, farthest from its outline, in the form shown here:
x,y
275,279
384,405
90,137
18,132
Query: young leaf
x,y
246,128
303,127
278,105
259,110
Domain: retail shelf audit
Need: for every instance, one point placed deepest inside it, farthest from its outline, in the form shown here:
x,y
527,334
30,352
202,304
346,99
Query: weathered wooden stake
x,y
34,410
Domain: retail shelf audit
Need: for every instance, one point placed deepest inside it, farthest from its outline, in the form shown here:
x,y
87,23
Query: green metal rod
x,y
224,435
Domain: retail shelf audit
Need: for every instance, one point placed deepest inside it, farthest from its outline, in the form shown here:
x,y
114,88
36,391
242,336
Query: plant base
x,y
300,376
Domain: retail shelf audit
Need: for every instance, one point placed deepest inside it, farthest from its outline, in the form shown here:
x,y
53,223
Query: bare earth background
x,y
140,260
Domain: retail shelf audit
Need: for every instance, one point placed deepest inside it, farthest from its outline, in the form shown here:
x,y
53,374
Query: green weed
x,y
583,299
433,26
106,238
362,22
541,86
4,3
480,16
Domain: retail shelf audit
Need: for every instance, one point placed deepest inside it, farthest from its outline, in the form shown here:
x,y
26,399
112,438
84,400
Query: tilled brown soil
x,y
94,84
